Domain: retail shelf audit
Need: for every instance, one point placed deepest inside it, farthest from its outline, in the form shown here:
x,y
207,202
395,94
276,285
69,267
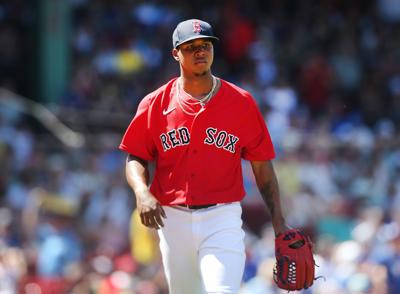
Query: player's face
x,y
196,56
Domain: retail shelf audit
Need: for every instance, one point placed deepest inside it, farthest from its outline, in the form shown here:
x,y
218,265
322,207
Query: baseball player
x,y
197,128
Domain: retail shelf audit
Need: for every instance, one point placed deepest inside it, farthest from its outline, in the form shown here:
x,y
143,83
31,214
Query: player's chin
x,y
201,69
201,73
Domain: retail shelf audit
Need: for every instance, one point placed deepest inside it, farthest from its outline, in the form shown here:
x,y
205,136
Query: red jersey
x,y
198,154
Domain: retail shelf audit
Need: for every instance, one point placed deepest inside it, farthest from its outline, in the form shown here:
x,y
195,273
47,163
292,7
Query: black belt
x,y
197,206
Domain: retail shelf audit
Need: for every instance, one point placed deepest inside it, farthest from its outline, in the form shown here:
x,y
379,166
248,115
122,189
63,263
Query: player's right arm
x,y
149,209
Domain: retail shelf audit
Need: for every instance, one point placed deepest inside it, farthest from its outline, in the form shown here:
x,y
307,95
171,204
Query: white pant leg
x,y
222,250
179,252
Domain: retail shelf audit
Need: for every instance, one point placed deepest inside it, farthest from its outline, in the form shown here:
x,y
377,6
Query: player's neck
x,y
197,86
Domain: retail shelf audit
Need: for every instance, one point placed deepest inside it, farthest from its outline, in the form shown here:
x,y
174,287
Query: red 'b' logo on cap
x,y
196,27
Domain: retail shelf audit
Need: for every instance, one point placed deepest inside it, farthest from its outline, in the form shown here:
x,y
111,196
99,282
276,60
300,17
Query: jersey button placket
x,y
193,152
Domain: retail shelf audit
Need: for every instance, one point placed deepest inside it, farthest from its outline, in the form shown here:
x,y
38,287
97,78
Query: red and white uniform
x,y
198,151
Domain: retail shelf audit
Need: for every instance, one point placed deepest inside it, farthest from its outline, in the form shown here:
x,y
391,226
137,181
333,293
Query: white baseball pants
x,y
203,250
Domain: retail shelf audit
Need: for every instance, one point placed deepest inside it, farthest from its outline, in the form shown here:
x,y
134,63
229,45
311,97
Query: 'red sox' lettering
x,y
181,136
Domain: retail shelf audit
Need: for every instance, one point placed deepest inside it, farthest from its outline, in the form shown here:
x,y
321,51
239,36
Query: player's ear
x,y
175,54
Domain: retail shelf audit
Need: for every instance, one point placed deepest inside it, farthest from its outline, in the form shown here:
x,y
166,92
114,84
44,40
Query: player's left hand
x,y
280,228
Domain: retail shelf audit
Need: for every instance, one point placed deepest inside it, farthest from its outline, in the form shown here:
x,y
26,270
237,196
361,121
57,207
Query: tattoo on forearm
x,y
267,194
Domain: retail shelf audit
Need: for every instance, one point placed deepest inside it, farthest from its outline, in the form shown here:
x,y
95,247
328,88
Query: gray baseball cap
x,y
192,29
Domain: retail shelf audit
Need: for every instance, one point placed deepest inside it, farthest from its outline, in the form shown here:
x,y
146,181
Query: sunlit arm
x,y
137,174
149,209
268,186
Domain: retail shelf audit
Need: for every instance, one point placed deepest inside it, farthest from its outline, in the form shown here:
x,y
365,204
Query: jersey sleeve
x,y
258,145
137,139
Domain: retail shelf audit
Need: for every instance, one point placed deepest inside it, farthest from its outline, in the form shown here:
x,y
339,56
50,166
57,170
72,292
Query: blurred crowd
x,y
326,75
